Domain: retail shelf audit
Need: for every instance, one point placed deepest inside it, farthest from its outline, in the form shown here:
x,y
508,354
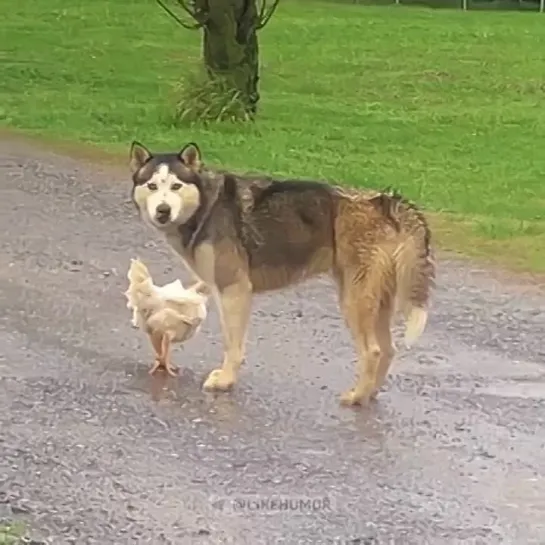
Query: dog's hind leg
x,y
234,305
360,303
369,355
384,335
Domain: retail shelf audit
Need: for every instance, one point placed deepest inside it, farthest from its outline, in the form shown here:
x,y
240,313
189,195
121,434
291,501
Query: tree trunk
x,y
230,48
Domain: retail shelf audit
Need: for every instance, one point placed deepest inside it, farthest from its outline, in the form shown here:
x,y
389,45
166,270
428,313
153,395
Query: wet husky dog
x,y
244,235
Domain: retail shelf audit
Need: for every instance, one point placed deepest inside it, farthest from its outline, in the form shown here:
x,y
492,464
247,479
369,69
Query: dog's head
x,y
167,187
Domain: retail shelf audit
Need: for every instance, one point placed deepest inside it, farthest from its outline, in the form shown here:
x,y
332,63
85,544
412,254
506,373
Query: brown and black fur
x,y
243,235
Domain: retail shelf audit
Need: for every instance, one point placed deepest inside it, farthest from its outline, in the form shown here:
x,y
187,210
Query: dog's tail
x,y
413,261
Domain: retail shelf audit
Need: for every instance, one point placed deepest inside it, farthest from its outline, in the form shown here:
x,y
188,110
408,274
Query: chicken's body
x,y
168,314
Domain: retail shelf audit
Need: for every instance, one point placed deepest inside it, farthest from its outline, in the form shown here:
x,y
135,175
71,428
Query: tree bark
x,y
230,46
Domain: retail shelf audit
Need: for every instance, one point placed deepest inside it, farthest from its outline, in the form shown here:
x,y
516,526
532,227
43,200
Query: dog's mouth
x,y
162,218
163,213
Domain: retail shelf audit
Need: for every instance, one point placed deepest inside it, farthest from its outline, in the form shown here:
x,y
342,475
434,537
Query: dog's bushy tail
x,y
414,262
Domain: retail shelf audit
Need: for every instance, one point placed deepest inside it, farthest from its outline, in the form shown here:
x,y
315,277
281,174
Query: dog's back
x,y
284,229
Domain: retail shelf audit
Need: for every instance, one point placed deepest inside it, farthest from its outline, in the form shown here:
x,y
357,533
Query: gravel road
x,y
94,451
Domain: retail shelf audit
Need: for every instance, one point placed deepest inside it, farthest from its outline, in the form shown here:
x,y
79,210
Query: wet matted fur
x,y
244,235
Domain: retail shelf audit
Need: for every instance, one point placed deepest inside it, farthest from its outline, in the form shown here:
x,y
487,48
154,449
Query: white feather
x,y
171,308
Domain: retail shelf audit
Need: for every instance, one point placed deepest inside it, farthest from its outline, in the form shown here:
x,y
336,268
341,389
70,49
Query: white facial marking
x,y
183,201
164,179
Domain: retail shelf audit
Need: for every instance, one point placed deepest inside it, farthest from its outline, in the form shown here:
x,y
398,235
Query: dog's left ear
x,y
139,156
190,155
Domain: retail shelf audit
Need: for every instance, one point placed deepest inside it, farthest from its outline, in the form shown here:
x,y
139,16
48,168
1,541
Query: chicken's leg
x,y
157,343
165,355
161,344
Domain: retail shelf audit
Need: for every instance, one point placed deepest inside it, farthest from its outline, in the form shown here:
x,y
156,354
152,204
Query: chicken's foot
x,y
161,345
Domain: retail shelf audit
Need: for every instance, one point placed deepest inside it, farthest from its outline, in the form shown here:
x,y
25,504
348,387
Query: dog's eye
x,y
176,186
152,186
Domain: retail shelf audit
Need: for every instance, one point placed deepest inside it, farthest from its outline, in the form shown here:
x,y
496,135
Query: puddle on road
x,y
467,363
160,386
524,390
163,387
243,409
184,392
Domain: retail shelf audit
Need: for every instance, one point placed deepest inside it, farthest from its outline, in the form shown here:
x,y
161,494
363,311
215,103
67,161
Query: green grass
x,y
445,105
11,534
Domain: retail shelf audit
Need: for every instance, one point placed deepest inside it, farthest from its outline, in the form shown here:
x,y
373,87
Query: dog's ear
x,y
190,155
139,156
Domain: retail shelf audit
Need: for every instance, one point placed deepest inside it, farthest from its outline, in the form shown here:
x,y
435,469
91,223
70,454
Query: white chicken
x,y
168,314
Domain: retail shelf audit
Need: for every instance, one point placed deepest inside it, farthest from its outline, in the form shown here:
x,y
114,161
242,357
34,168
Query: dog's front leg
x,y
234,306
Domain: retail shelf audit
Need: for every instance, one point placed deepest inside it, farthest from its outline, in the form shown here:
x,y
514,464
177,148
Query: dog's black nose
x,y
162,213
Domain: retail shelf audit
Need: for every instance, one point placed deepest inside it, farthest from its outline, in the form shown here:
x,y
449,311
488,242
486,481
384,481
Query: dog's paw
x,y
351,398
374,394
220,380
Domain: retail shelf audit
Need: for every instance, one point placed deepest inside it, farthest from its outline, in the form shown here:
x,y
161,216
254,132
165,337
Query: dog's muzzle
x,y
162,213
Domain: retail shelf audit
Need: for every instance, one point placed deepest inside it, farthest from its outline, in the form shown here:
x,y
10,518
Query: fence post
x,y
542,6
464,4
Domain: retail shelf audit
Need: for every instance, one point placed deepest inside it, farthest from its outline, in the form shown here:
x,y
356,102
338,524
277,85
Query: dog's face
x,y
166,187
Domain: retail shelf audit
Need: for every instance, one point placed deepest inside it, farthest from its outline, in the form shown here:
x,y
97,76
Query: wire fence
x,y
467,4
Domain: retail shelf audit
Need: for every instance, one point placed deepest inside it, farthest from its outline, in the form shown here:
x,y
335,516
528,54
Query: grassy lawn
x,y
11,534
445,105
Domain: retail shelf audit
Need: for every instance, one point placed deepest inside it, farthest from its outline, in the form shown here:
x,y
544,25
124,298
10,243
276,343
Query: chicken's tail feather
x,y
140,293
138,272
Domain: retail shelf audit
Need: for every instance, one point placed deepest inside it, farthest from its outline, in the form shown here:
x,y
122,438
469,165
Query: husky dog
x,y
243,235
